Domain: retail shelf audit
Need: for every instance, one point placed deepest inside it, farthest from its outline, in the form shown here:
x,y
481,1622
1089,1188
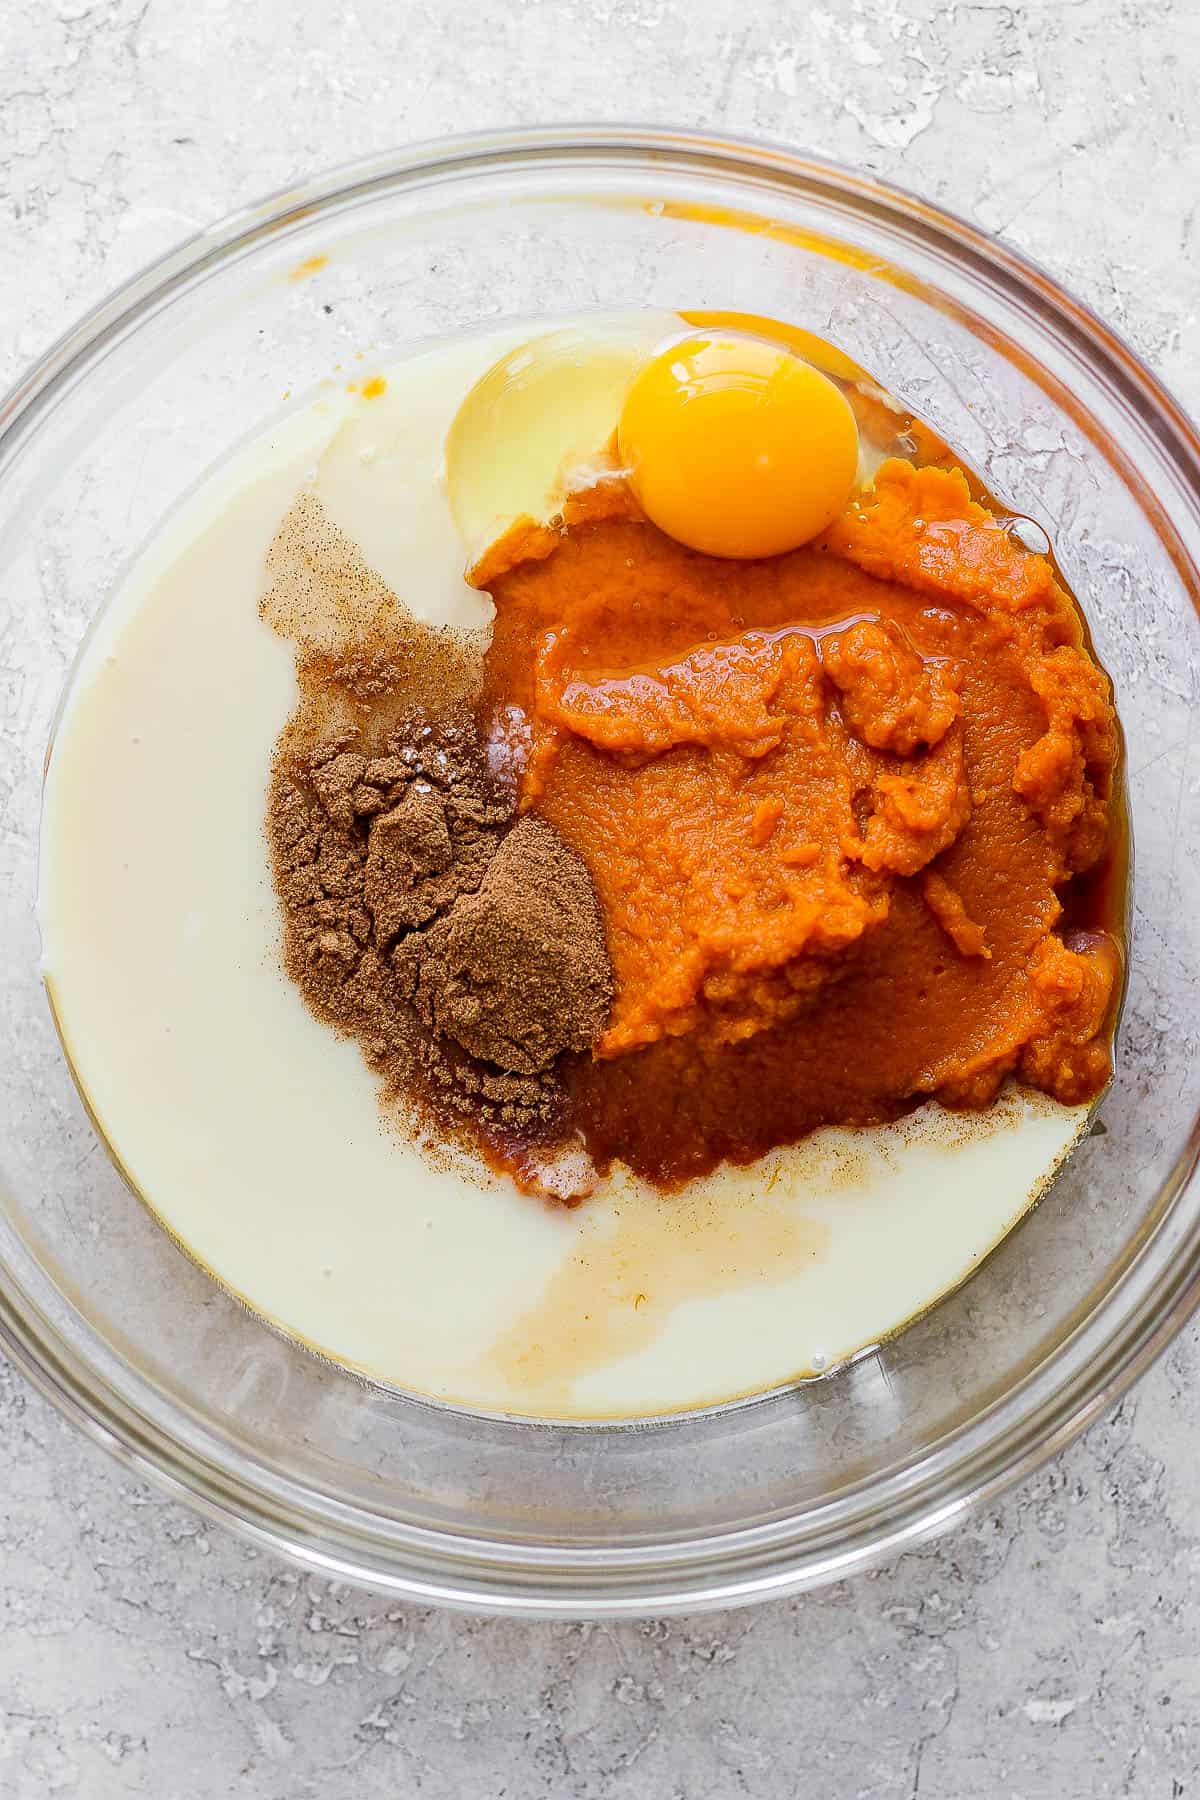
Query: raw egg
x,y
737,447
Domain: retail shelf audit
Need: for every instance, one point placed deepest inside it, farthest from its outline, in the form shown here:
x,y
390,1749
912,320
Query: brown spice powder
x,y
463,951
502,971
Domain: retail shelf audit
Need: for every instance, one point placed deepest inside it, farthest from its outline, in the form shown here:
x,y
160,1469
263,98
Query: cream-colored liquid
x,y
258,1137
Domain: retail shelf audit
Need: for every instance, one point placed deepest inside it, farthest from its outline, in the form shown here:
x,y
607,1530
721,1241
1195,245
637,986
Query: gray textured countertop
x,y
1048,1647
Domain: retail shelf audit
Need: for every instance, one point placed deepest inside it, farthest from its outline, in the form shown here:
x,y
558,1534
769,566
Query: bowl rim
x,y
976,1461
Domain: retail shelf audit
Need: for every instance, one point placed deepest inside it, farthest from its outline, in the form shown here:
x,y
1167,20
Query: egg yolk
x,y
737,447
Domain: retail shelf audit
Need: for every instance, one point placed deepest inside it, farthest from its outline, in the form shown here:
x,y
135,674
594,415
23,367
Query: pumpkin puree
x,y
829,802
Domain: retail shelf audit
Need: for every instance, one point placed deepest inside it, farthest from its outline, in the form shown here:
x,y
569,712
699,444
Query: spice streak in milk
x,y
258,1137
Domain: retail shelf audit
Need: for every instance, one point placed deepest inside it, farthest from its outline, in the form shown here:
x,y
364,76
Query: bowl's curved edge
x,y
917,1512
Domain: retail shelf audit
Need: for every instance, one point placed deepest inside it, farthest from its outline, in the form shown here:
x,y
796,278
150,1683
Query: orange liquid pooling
x,y
828,801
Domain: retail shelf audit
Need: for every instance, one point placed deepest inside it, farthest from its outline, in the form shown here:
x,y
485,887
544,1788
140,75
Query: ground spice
x,y
463,955
517,972
464,951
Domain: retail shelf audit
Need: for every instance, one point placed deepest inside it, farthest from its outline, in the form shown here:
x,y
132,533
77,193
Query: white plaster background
x,y
1049,1648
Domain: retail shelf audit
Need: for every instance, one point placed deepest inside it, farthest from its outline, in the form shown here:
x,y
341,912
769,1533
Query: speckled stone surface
x,y
1048,1648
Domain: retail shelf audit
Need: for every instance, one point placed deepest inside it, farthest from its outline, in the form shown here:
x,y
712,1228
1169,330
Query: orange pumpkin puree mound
x,y
828,801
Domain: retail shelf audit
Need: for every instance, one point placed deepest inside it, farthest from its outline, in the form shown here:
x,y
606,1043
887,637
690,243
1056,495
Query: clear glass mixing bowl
x,y
131,1340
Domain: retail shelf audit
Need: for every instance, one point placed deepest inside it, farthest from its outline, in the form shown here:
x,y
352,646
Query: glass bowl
x,y
110,1318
